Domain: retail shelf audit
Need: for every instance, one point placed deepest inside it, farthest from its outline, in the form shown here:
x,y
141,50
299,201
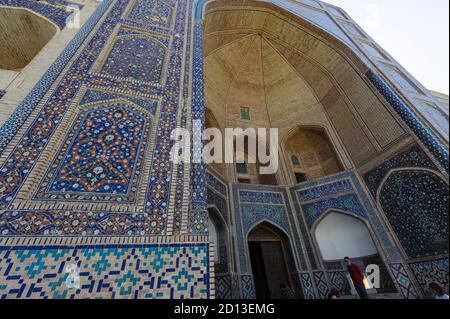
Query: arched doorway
x,y
339,235
271,260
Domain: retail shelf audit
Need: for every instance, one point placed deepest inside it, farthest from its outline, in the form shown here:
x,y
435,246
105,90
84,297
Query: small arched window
x,y
295,160
241,168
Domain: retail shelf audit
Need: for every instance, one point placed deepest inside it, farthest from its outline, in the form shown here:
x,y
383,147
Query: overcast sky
x,y
414,32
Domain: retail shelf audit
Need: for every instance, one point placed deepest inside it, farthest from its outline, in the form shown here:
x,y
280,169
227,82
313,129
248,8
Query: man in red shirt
x,y
357,278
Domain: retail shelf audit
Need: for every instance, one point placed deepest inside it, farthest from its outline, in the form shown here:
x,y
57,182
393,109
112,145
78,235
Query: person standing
x,y
357,278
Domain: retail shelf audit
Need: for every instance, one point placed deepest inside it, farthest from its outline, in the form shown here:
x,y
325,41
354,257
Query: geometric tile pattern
x,y
247,287
308,288
431,271
165,271
223,287
339,282
403,281
321,284
416,204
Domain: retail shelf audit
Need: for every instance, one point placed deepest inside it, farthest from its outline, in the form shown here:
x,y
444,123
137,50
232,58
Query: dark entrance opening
x,y
269,263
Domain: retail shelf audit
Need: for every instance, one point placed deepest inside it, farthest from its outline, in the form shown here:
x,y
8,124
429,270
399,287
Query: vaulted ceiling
x,y
290,73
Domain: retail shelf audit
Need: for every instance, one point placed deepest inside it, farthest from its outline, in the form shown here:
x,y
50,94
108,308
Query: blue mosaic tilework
x,y
124,31
76,223
339,282
431,271
157,197
152,12
223,287
320,281
362,206
255,214
325,190
56,11
100,157
136,57
403,281
308,288
422,132
92,96
261,197
416,204
14,172
248,291
413,157
219,202
15,122
197,216
347,203
216,184
168,271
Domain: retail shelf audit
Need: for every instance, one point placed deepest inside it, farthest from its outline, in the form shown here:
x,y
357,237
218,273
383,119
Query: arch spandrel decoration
x,y
416,203
153,12
145,65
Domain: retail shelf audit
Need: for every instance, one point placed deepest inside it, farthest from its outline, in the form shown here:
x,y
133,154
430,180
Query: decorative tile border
x,y
347,203
169,271
414,157
248,291
320,280
307,284
403,281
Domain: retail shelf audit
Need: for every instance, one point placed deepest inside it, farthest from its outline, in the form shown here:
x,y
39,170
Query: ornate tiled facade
x,y
100,157
86,177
